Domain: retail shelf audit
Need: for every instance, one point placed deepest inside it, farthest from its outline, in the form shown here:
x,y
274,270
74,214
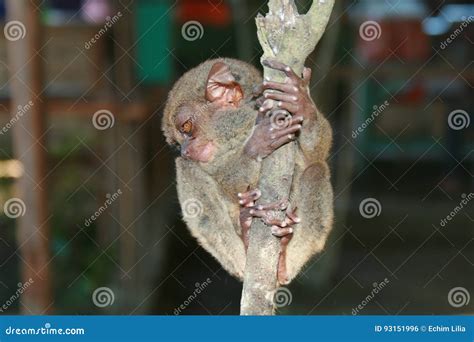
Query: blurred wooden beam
x,y
33,235
128,163
129,112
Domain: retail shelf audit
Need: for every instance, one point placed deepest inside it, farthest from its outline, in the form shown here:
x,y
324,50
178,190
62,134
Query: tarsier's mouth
x,y
207,152
203,153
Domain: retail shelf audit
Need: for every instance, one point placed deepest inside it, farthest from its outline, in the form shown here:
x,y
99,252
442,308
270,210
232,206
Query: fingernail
x,y
279,104
259,207
265,82
251,212
294,98
261,109
265,95
239,194
241,202
291,230
284,224
288,68
295,88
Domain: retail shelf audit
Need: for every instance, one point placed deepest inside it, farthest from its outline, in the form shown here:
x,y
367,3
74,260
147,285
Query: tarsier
x,y
222,117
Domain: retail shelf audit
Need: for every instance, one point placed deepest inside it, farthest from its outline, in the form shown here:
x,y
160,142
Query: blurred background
x,y
89,219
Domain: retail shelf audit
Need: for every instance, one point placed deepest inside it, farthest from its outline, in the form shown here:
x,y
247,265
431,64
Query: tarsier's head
x,y
205,106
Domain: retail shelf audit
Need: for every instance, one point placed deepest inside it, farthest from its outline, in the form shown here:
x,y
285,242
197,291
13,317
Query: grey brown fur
x,y
215,184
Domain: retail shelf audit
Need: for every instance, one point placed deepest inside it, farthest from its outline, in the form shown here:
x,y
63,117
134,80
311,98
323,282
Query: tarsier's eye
x,y
187,127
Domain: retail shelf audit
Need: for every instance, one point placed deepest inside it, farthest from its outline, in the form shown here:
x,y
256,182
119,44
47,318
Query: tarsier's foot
x,y
293,95
247,199
282,228
267,213
247,202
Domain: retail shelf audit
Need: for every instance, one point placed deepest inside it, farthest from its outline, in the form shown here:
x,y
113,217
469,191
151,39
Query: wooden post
x,y
287,37
33,236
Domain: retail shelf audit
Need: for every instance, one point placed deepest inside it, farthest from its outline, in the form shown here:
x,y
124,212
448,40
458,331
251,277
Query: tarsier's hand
x,y
268,136
293,95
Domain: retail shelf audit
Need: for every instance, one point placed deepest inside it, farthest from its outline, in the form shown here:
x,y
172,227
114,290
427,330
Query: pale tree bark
x,y
287,37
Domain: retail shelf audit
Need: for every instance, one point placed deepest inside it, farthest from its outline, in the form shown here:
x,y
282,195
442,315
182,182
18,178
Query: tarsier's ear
x,y
221,86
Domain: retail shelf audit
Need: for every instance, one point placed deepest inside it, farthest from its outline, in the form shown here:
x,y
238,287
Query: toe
x,y
281,231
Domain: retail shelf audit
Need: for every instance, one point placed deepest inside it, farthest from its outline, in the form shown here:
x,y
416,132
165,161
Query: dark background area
x,y
408,158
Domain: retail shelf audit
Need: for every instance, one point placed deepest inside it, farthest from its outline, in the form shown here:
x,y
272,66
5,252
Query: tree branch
x,y
288,37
